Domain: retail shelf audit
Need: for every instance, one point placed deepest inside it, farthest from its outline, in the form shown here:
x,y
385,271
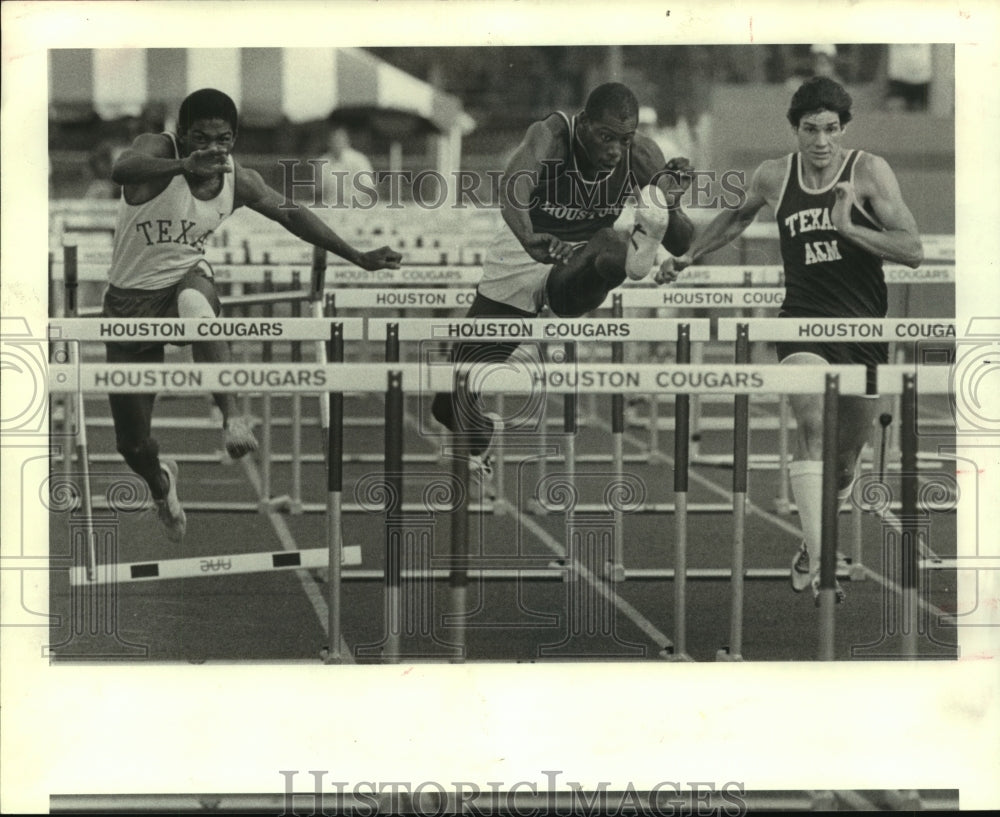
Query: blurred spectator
x,y
823,63
99,162
910,72
340,173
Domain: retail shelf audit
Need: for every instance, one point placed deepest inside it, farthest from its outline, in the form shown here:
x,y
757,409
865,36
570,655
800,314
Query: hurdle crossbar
x,y
840,330
246,378
206,566
173,330
646,378
550,330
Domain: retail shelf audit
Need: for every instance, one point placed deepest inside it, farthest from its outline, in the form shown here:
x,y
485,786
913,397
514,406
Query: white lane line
x,y
288,542
637,618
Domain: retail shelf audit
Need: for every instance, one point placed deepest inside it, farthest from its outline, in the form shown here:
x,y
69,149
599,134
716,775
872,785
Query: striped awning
x,y
269,85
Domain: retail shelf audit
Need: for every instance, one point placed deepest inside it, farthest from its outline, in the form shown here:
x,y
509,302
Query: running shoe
x,y
238,438
801,575
168,509
644,248
814,584
481,466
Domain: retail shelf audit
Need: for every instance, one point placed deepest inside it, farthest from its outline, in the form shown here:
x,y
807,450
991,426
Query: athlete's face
x,y
607,138
208,133
819,135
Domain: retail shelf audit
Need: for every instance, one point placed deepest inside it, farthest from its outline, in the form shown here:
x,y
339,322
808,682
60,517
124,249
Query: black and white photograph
x,y
442,408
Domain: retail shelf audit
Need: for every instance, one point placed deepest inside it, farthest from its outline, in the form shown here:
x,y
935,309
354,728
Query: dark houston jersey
x,y
569,207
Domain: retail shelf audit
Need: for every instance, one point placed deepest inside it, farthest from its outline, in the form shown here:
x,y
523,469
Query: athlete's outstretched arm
x,y
874,182
252,192
151,157
517,186
730,223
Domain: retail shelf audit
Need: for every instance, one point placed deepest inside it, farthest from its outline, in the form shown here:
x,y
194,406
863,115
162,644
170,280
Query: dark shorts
x,y
155,303
871,355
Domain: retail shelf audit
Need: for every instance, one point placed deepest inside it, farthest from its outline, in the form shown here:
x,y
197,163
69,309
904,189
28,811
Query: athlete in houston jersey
x,y
157,241
824,274
563,189
840,214
571,207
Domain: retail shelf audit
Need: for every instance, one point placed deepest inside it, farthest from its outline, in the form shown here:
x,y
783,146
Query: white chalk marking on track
x,y
309,585
637,618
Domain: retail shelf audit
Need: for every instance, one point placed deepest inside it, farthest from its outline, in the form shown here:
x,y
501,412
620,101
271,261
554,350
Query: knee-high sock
x,y
806,479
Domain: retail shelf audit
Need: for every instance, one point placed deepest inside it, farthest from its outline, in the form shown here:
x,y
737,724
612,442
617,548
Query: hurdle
x,y
741,380
387,379
833,330
541,331
745,287
907,381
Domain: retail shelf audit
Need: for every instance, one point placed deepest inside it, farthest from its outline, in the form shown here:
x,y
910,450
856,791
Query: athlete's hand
x,y
546,248
678,176
206,163
382,258
841,214
667,273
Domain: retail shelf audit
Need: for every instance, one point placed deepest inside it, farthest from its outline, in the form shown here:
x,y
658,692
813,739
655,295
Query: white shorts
x,y
511,276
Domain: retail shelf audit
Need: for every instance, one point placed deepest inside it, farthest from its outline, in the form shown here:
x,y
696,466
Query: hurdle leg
x,y
678,652
828,544
617,568
394,516
334,504
741,445
295,503
458,575
909,551
534,506
783,502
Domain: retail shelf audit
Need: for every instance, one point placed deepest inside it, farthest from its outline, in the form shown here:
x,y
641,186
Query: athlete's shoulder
x,y
159,145
647,156
870,165
769,177
549,137
248,185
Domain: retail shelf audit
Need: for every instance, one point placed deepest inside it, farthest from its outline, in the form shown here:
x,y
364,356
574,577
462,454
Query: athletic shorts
x,y
511,276
157,303
871,355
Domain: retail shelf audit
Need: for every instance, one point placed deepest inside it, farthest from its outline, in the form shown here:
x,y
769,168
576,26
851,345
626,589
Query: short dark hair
x,y
820,94
206,103
613,98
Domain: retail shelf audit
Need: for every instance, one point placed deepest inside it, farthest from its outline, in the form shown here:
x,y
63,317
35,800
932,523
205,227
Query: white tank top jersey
x,y
157,242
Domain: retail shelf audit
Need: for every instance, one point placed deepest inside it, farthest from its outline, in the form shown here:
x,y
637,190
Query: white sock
x,y
806,479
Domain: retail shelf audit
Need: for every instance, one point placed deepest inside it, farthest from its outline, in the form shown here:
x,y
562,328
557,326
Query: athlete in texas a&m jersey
x,y
565,242
840,214
176,190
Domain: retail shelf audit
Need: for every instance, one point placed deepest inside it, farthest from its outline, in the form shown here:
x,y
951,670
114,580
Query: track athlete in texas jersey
x,y
840,214
177,190
586,202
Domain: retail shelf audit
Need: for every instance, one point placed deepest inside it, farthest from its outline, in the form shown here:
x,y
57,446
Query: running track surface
x,y
282,615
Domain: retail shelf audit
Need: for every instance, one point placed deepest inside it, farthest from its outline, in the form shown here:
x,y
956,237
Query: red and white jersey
x,y
157,242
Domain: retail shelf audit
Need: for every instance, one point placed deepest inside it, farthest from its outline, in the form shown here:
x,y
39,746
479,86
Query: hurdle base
x,y
669,654
329,658
857,573
782,506
282,504
725,655
615,571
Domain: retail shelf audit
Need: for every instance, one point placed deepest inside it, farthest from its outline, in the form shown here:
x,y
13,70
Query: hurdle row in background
x,y
421,329
450,299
